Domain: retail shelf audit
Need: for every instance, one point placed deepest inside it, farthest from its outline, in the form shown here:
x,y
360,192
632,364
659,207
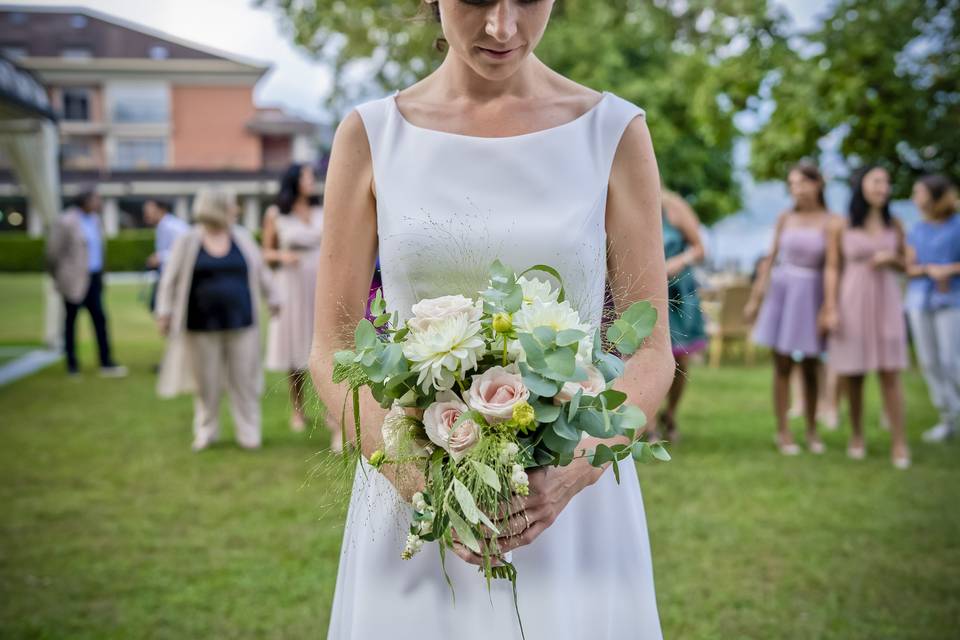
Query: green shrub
x,y
127,252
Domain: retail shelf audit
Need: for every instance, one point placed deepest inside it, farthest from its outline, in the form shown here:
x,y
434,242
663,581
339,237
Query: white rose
x,y
594,385
430,310
495,392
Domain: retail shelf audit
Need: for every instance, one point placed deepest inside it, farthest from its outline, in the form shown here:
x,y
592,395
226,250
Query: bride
x,y
495,156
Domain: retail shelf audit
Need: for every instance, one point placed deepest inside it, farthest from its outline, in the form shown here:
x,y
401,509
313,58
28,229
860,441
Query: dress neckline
x,y
582,116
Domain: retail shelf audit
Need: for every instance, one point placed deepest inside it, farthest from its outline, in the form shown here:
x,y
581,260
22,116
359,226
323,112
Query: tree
x,y
691,64
882,74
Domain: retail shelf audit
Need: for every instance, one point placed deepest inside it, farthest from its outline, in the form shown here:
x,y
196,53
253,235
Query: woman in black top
x,y
207,302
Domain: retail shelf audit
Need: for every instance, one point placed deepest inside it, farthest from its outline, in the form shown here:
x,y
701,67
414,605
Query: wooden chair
x,y
727,323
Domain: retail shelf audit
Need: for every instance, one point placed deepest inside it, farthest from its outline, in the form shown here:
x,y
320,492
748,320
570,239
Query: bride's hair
x,y
431,10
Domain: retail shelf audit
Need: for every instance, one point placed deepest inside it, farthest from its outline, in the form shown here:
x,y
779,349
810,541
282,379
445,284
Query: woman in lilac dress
x,y
863,307
790,288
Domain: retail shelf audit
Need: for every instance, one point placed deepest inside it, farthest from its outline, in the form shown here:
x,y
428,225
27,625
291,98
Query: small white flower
x,y
413,546
519,478
536,289
426,526
447,346
419,502
508,451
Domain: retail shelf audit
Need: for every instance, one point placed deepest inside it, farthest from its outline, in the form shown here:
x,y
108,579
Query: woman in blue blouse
x,y
933,298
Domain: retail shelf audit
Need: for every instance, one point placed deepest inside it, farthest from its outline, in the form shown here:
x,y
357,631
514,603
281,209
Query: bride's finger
x,y
467,555
525,538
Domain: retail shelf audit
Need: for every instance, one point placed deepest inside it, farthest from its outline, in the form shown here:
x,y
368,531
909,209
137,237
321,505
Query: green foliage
x,y
692,66
128,251
883,74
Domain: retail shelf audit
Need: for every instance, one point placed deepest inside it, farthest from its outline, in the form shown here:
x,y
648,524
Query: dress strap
x,y
379,121
613,117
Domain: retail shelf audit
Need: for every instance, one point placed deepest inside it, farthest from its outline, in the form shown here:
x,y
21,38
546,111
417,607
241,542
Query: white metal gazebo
x,y
28,138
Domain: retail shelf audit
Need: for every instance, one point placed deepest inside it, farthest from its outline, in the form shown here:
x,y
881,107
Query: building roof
x,y
275,121
21,94
50,32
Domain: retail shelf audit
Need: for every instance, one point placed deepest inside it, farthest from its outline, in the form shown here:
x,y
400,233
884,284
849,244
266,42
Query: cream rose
x,y
439,420
463,437
594,385
428,311
495,392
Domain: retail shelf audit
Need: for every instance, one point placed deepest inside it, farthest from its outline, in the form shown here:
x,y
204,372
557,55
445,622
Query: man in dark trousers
x,y
76,252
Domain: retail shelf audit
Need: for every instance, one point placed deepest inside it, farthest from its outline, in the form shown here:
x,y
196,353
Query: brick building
x,y
145,114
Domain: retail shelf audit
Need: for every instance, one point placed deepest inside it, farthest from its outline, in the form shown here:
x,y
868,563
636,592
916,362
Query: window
x,y
76,53
78,21
18,18
140,153
78,153
76,105
139,103
159,52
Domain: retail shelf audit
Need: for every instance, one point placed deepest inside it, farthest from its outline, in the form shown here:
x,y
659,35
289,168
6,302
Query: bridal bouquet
x,y
481,390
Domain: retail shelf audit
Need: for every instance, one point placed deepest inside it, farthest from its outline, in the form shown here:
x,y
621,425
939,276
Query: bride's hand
x,y
551,489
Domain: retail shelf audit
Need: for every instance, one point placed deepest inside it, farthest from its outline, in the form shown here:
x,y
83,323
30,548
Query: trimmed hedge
x,y
127,252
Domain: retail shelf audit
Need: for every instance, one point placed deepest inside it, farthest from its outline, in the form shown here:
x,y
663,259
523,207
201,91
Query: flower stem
x,y
504,350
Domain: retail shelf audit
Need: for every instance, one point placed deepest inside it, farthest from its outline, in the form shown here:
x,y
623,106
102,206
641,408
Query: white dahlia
x,y
445,347
559,316
537,290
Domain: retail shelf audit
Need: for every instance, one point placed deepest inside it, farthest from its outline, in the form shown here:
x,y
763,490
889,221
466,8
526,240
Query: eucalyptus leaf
x,y
568,337
538,384
563,428
562,362
574,405
613,398
545,411
659,452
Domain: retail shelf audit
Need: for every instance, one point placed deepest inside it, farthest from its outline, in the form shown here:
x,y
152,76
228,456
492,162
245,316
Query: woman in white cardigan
x,y
207,305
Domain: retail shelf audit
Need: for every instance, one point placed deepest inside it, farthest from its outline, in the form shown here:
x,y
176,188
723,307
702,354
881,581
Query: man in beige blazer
x,y
76,252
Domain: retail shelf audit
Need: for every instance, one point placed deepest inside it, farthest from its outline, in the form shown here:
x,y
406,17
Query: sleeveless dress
x,y
290,333
787,322
871,334
447,206
688,334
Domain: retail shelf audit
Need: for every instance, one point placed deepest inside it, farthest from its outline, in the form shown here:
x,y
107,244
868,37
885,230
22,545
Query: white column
x,y
34,221
111,216
52,315
251,213
181,208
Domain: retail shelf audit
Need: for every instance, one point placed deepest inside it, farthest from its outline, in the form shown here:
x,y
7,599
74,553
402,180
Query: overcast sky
x,y
235,26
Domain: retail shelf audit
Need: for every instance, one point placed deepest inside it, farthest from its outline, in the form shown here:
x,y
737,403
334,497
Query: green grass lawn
x,y
112,528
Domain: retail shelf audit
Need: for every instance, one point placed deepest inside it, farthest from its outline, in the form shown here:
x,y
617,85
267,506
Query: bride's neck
x,y
459,80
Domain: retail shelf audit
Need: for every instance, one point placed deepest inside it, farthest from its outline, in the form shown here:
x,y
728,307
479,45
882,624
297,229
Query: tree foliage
x,y
691,64
883,75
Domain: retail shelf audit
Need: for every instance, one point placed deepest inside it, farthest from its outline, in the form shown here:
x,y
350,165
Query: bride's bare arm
x,y
348,257
637,271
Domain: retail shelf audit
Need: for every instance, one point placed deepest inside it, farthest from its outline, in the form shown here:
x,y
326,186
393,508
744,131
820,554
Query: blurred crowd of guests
x,y
828,301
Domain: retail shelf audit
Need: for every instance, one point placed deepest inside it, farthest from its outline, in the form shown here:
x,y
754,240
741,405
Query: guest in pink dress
x,y
790,285
863,306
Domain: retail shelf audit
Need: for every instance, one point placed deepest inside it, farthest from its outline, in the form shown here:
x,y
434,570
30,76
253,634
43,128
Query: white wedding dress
x,y
447,206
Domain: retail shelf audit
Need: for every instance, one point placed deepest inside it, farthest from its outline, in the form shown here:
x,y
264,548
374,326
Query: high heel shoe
x,y
857,452
788,449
